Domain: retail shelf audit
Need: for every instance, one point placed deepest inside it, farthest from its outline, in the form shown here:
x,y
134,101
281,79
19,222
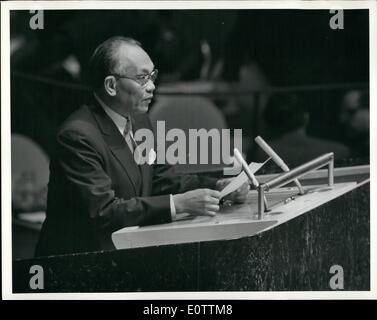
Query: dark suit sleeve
x,y
83,167
165,183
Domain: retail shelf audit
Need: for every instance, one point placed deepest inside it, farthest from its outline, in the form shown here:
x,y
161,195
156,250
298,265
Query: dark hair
x,y
285,112
103,61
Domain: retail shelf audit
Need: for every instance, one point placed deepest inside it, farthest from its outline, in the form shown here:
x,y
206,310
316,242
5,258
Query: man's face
x,y
131,96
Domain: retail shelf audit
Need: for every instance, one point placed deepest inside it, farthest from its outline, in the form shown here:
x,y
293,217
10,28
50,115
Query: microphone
x,y
279,161
249,174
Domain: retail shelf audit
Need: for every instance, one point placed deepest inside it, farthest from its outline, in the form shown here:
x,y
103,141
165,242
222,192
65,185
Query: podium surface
x,y
237,221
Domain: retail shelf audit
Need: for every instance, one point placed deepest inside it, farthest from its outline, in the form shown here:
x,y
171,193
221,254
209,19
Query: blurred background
x,y
282,74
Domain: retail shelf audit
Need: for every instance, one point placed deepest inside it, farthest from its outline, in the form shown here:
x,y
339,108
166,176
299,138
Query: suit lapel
x,y
118,146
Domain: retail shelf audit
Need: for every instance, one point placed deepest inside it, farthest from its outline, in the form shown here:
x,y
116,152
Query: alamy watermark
x,y
337,280
36,21
337,20
198,146
37,279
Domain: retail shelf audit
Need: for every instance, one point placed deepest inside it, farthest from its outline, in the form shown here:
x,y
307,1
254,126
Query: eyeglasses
x,y
141,79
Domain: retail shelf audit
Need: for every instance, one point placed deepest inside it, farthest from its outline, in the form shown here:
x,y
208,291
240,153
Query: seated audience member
x,y
287,117
354,118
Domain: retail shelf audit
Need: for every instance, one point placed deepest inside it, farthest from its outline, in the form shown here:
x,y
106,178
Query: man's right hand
x,y
198,202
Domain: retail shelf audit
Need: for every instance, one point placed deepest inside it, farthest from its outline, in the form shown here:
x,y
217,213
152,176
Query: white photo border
x,y
6,232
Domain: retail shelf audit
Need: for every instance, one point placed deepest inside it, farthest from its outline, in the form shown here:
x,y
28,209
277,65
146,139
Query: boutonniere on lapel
x,y
143,156
152,156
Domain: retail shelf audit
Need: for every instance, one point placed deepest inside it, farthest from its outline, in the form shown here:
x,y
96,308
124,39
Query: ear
x,y
109,84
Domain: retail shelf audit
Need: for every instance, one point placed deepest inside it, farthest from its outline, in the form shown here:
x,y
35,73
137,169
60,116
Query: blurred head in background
x,y
285,113
354,114
354,119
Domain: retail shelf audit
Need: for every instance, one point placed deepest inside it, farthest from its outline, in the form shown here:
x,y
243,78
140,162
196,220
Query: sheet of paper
x,y
241,178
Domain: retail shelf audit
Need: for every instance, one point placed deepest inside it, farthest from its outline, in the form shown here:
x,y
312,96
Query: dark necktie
x,y
128,135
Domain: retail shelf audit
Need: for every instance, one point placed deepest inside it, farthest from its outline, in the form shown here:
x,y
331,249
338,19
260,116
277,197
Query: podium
x,y
292,248
232,222
251,218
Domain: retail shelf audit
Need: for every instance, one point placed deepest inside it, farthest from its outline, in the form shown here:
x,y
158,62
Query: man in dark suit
x,y
95,186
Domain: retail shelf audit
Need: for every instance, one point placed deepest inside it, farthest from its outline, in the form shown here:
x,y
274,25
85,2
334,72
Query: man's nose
x,y
150,87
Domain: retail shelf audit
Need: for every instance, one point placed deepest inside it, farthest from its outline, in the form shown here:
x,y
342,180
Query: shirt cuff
x,y
172,209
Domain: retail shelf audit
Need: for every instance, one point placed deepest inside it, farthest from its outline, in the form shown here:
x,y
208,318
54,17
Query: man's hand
x,y
200,202
239,195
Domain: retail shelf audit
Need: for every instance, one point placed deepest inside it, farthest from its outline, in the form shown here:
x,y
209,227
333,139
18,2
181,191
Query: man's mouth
x,y
147,100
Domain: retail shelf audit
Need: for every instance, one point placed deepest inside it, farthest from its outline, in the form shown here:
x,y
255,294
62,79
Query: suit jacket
x,y
96,188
